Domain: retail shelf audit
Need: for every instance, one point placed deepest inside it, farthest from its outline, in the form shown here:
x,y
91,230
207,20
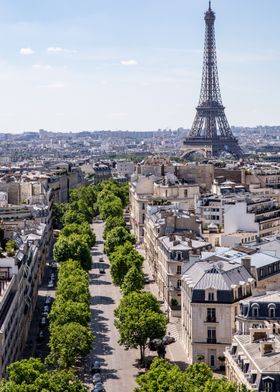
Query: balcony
x,y
211,319
211,340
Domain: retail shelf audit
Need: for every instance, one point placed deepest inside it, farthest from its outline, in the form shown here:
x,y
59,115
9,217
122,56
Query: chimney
x,y
246,262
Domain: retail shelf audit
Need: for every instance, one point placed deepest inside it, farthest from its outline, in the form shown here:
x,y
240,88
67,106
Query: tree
x,y
72,216
73,247
26,371
68,343
122,259
198,374
162,376
58,210
10,248
70,268
165,377
116,237
64,312
83,229
111,222
111,208
58,381
133,280
31,375
73,289
138,320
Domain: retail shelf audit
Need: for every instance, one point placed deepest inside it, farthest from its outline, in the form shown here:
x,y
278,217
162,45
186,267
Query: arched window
x,y
271,310
255,310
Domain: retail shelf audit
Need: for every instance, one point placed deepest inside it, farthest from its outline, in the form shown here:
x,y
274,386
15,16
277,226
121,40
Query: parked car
x,y
41,335
98,388
168,340
96,367
96,378
146,279
43,321
48,300
102,271
46,309
101,260
50,284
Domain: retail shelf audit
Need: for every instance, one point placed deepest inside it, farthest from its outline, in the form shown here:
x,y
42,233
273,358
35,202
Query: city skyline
x,y
72,66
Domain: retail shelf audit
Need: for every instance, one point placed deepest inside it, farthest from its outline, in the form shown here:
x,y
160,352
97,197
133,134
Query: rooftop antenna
x,y
210,5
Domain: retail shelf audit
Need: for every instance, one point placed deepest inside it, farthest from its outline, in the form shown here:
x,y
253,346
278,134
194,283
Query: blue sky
x,y
133,64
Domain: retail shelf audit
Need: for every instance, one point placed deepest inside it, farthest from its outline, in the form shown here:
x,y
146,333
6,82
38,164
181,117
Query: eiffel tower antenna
x,y
210,127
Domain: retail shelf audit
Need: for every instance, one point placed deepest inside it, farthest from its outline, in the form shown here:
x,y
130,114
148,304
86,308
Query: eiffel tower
x,y
210,133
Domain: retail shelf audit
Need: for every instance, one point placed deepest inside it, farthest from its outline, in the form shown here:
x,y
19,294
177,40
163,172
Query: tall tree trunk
x,y
142,355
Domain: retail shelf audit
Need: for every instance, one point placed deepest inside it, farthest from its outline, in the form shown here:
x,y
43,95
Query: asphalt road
x,y
119,367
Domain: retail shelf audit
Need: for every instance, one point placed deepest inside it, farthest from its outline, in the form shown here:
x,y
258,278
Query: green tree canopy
x,y
111,208
73,289
138,319
31,375
116,237
162,376
83,229
133,280
122,259
72,216
111,222
165,377
26,371
64,312
73,247
119,190
68,343
58,210
70,267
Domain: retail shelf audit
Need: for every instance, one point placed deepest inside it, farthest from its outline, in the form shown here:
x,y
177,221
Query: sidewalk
x,y
175,351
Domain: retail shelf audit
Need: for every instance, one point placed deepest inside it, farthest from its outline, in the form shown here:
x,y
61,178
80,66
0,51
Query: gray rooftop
x,y
266,364
218,275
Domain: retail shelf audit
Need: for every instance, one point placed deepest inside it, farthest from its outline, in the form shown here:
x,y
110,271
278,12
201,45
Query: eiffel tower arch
x,y
210,129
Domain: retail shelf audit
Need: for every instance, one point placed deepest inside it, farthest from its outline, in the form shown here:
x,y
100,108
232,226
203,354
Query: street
x,y
119,367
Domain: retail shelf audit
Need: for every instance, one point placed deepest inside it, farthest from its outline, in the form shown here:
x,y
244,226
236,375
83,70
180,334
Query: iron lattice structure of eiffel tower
x,y
211,132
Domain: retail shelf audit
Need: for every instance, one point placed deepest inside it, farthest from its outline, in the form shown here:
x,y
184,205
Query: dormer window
x,y
255,310
271,311
211,296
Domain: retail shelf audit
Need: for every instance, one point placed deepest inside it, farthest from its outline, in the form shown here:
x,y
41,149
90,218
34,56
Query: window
x,y
143,206
186,193
143,218
179,270
271,311
211,296
211,314
268,386
211,335
179,284
255,310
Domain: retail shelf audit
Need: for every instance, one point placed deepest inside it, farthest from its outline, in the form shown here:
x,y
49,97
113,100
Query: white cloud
x,y
26,51
58,49
42,66
129,62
